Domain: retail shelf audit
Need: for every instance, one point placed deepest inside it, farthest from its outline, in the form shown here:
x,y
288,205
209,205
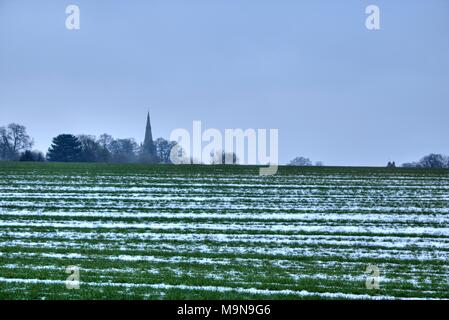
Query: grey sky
x,y
337,92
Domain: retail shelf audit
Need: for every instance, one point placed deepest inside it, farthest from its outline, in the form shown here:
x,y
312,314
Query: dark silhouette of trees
x,y
87,148
29,155
123,150
13,140
391,164
65,148
105,140
163,149
304,162
430,161
92,149
301,161
434,161
410,165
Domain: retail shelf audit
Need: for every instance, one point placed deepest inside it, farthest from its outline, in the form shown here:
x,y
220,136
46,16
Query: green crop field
x,y
207,232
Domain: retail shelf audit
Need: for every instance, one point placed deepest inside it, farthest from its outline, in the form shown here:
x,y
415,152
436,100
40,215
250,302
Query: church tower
x,y
148,148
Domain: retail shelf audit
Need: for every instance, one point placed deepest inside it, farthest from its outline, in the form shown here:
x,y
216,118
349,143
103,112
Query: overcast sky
x,y
336,91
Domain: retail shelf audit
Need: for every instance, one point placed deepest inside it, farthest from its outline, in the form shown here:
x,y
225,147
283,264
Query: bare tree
x,y
4,144
20,139
434,161
163,149
92,149
35,156
13,140
124,150
105,140
430,161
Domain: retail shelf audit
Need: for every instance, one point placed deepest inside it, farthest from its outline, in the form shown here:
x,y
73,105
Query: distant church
x,y
148,151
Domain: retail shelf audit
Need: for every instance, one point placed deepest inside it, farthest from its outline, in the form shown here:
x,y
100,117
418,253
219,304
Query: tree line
x,y
430,161
304,162
105,148
16,145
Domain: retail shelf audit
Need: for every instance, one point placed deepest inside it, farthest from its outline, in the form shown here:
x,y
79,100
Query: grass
x,y
219,256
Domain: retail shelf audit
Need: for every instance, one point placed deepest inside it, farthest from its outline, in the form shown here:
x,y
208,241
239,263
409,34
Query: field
x,y
215,232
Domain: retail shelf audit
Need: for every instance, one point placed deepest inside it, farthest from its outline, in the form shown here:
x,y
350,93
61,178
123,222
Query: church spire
x,y
148,133
148,148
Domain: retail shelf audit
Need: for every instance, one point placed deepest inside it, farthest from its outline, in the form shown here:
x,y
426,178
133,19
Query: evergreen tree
x,y
65,148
